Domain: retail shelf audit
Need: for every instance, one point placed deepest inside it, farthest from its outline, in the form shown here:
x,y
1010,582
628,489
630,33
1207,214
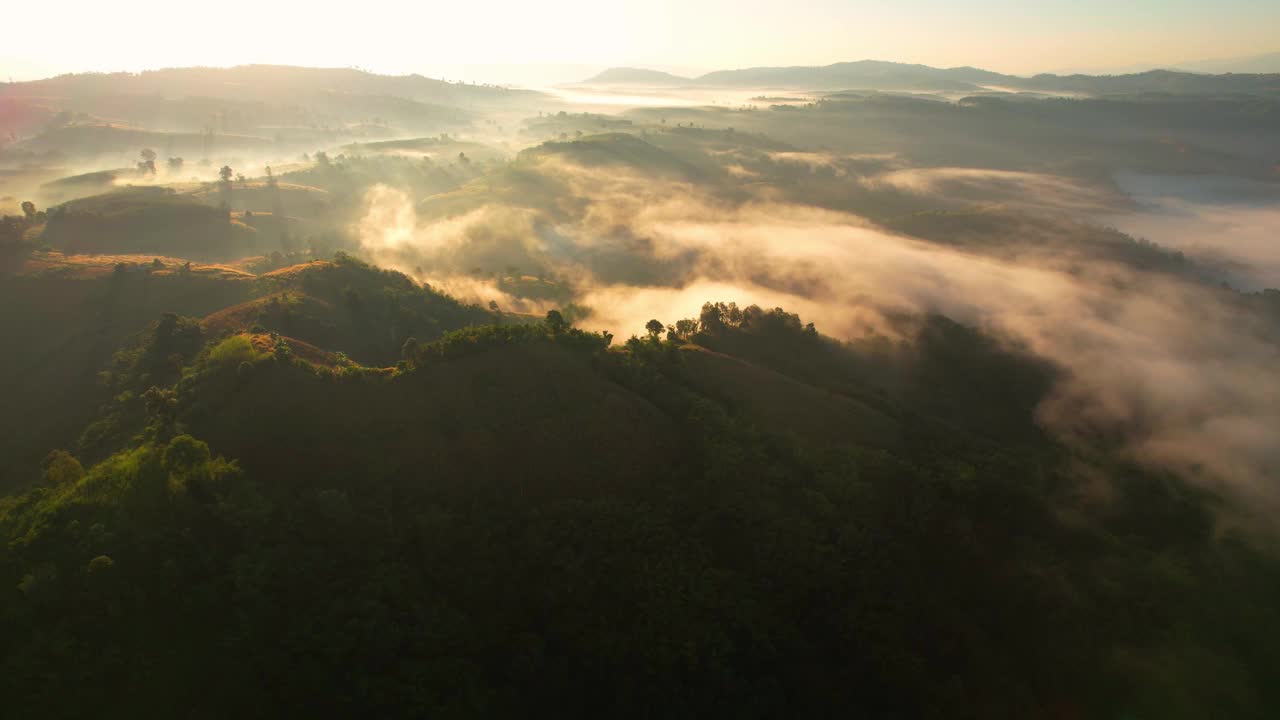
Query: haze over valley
x,y
862,387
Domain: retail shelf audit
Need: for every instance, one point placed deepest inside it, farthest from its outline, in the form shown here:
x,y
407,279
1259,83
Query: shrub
x,y
185,452
60,468
231,352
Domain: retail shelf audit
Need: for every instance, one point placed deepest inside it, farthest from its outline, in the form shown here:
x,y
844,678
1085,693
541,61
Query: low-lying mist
x,y
1227,223
1173,370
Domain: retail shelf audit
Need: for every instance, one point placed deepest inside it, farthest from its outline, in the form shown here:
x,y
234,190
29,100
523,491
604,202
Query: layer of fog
x,y
1231,224
1023,190
630,96
1186,380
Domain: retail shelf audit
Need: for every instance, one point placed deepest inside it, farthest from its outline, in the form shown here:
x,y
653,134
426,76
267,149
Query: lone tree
x,y
556,322
277,205
148,162
711,319
61,468
655,329
224,175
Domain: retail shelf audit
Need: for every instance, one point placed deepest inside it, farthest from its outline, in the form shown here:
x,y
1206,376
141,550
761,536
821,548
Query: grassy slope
x,y
532,418
147,220
71,314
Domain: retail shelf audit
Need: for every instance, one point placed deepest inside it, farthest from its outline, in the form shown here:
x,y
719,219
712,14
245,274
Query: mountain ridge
x,y
879,74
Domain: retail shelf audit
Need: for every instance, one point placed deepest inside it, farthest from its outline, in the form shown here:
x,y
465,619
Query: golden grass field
x,y
94,266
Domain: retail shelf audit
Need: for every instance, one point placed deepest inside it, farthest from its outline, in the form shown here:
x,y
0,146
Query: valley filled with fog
x,y
879,278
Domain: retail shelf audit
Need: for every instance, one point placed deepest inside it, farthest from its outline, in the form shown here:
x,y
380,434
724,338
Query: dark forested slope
x,y
517,518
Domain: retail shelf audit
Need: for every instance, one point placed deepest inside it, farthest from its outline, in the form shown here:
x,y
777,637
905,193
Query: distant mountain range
x,y
180,109
880,75
268,83
1269,63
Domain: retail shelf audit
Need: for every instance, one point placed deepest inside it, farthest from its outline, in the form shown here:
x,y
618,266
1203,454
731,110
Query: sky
x,y
491,38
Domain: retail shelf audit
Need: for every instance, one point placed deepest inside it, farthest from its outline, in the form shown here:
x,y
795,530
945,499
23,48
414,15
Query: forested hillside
x,y
873,391
516,516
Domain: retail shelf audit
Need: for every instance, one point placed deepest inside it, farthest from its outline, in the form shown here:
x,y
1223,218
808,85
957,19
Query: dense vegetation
x,y
389,544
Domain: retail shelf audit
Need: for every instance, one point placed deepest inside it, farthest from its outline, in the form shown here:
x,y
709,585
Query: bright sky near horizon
x,y
434,38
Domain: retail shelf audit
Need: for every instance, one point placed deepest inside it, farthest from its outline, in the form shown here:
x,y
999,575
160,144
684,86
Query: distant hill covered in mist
x,y
638,76
199,111
864,73
875,74
266,81
1268,63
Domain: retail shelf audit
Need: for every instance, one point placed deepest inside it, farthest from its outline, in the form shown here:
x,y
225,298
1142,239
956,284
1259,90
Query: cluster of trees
x,y
461,343
147,163
716,318
138,376
346,177
13,228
